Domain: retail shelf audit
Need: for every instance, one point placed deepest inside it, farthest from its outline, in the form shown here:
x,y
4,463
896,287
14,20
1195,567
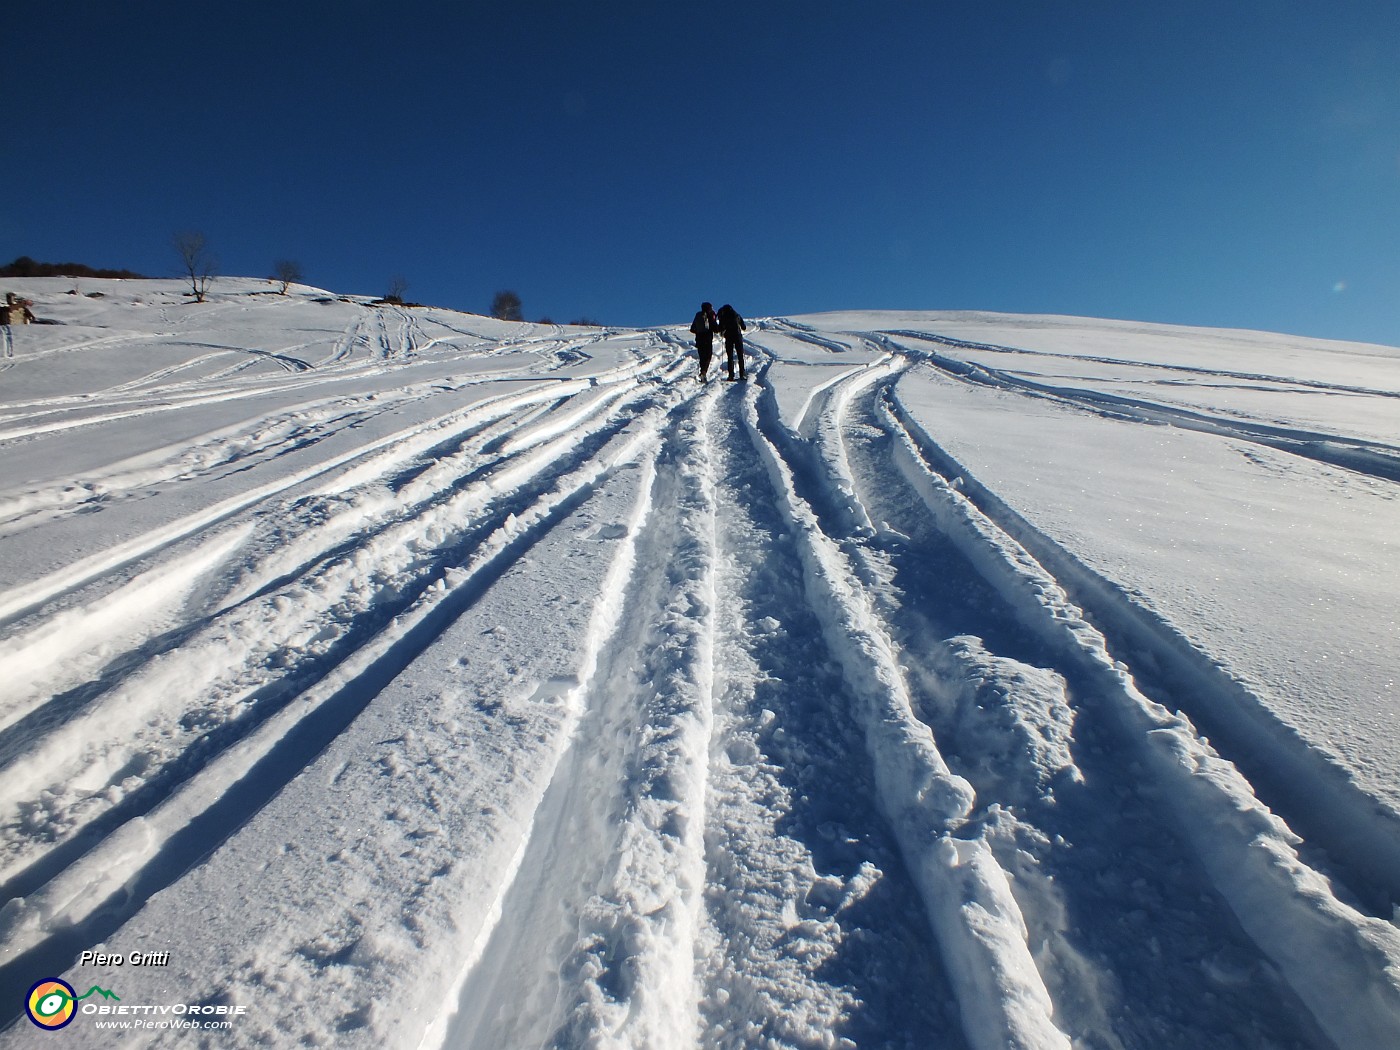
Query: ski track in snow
x,y
545,697
1373,458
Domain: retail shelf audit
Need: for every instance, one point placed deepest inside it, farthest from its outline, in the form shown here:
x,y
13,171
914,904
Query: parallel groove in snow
x,y
1314,794
475,992
44,762
222,657
1365,457
615,846
1082,832
969,902
1285,906
813,936
32,595
110,872
634,963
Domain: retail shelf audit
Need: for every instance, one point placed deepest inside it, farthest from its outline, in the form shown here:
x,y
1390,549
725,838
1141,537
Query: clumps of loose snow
x,y
1013,723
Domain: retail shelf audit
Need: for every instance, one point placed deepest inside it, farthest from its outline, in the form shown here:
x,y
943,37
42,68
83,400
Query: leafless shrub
x,y
196,262
287,272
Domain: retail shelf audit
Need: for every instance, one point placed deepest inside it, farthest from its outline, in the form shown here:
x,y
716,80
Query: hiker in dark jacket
x,y
704,327
732,325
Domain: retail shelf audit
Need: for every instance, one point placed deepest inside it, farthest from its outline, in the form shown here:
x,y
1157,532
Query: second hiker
x,y
732,325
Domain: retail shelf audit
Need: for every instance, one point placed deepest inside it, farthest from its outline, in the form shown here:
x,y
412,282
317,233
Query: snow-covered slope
x,y
396,677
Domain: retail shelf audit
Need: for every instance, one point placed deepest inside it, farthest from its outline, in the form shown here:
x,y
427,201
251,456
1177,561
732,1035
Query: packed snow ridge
x,y
407,678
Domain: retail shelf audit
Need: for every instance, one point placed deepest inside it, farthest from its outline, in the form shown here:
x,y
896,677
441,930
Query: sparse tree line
x,y
507,307
24,266
200,267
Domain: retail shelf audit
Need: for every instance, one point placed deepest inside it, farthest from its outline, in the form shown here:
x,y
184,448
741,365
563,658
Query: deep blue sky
x,y
1230,162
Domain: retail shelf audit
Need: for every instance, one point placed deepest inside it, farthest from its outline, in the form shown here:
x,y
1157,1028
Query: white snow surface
x,y
382,676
